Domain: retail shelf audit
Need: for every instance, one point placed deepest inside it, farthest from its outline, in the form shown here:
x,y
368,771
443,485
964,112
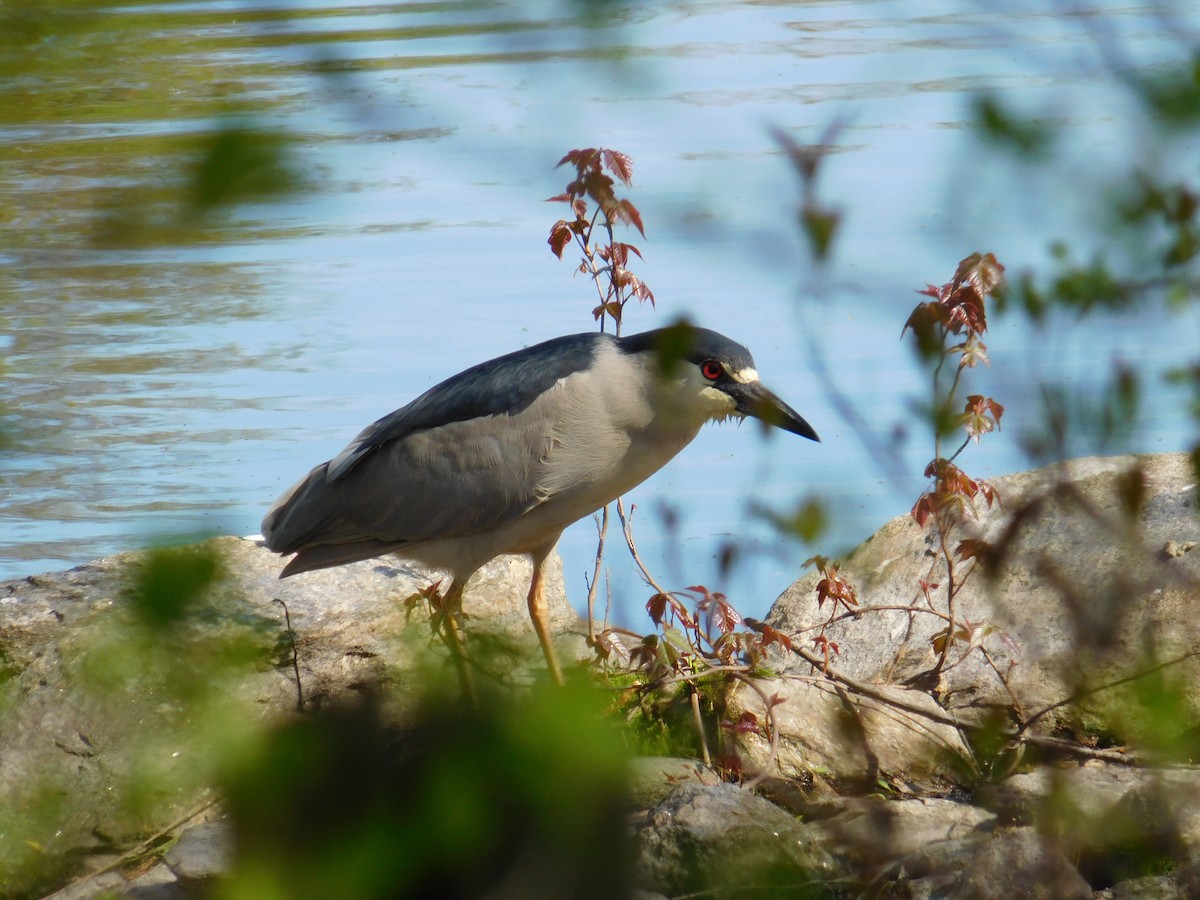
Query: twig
x,y
773,727
287,618
627,530
1017,735
1079,695
699,720
141,848
591,597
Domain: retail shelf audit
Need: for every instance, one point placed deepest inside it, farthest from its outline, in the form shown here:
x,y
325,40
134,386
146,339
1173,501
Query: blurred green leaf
x,y
1024,136
170,581
1173,96
238,163
524,797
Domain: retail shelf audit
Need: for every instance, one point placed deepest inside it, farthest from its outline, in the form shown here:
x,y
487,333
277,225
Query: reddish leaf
x,y
641,291
724,616
656,606
973,353
629,214
560,235
982,271
579,158
922,509
836,588
989,493
747,723
970,549
608,309
619,164
819,561
775,636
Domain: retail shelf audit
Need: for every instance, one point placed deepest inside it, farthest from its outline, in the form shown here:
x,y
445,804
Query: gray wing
x,y
461,459
455,480
504,387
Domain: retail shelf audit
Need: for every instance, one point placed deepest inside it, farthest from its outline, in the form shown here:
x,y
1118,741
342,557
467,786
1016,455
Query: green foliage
x,y
819,222
171,582
1155,714
240,162
521,797
139,668
1028,138
1172,96
1143,249
806,522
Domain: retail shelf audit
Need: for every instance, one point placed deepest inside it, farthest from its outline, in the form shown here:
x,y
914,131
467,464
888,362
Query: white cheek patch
x,y
745,376
720,403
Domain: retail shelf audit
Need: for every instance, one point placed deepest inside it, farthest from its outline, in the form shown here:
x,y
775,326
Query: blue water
x,y
177,390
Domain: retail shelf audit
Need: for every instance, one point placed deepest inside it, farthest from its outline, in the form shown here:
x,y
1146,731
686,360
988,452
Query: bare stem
x,y
591,597
699,720
627,530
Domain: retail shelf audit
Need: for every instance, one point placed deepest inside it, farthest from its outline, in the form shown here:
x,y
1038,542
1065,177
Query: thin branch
x,y
591,597
699,722
142,848
773,727
1016,735
627,530
287,618
1088,692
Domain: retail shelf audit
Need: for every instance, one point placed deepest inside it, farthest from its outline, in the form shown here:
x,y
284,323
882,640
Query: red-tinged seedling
x,y
824,645
597,171
947,329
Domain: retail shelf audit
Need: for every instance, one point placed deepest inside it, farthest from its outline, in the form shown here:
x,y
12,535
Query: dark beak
x,y
755,400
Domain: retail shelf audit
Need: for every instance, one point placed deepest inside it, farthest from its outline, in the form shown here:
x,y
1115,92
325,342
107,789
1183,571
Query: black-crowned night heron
x,y
504,456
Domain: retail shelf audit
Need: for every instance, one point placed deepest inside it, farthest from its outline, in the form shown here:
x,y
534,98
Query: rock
x,y
879,835
1117,822
1181,884
1087,793
111,723
716,838
202,853
846,737
1080,596
654,778
99,704
1017,862
159,883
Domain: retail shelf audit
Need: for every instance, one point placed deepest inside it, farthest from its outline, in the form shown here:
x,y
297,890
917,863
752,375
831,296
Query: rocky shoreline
x,y
876,782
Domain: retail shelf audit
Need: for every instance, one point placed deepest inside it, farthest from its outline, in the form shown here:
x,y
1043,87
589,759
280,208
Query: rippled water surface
x,y
168,370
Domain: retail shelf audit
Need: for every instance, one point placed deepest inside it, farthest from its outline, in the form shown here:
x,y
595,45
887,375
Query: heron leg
x,y
452,634
539,612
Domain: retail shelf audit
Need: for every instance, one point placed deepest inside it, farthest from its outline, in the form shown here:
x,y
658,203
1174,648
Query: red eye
x,y
711,369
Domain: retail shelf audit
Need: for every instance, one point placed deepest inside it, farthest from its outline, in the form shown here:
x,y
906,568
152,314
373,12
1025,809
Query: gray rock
x,y
727,842
844,736
878,834
1117,821
90,887
653,778
1080,596
1086,793
201,853
1010,863
159,883
96,704
1181,884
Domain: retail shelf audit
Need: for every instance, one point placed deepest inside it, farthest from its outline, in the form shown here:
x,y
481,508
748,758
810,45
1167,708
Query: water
x,y
175,386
